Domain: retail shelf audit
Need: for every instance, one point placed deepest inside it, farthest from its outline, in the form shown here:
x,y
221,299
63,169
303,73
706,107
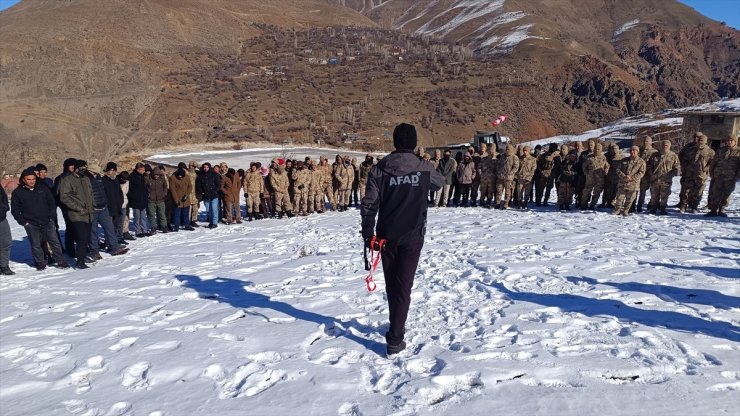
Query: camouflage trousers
x,y
683,195
566,190
193,212
343,196
487,190
300,200
363,185
315,201
695,188
474,187
645,185
253,202
660,190
625,197
328,193
611,190
592,190
720,190
524,192
504,191
282,202
543,186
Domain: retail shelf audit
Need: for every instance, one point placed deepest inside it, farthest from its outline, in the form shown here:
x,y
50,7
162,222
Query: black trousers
x,y
81,232
38,235
69,235
399,268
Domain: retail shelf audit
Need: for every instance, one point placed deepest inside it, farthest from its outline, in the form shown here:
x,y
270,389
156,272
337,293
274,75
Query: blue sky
x,y
727,11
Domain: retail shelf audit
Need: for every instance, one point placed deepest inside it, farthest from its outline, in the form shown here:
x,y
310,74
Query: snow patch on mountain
x,y
471,9
625,27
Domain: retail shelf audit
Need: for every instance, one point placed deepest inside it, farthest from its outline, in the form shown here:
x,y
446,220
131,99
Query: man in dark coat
x,y
114,194
69,238
34,208
6,239
75,192
138,200
207,186
397,190
101,216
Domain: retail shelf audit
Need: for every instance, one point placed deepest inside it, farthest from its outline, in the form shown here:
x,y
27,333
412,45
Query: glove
x,y
367,235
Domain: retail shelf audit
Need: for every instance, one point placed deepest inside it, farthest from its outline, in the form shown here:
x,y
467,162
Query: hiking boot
x,y
5,271
395,349
194,224
96,256
682,208
62,265
721,213
81,265
40,266
188,228
128,237
212,226
119,251
712,213
663,211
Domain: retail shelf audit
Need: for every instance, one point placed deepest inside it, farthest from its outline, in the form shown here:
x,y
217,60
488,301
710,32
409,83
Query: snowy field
x,y
513,313
242,158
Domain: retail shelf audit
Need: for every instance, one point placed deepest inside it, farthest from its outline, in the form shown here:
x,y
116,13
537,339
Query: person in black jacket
x,y
207,187
397,189
114,194
69,237
101,216
138,199
6,239
34,208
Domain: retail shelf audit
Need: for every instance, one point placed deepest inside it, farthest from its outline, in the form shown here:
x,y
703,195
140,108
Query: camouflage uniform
x,y
568,178
697,172
594,169
301,180
725,171
363,173
527,166
506,170
546,179
475,186
630,171
315,199
327,183
646,153
661,167
614,157
279,183
253,185
344,175
488,179
581,178
194,201
684,157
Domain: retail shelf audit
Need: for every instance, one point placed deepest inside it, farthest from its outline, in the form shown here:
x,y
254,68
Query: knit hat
x,y
41,167
180,173
182,165
404,137
111,166
31,171
68,162
80,163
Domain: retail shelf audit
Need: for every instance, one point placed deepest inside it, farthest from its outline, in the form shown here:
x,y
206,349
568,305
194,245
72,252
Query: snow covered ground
x,y
537,313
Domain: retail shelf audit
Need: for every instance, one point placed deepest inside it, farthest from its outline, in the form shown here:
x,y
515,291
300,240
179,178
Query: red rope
x,y
374,260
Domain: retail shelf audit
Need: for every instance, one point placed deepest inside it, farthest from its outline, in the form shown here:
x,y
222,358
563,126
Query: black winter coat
x,y
397,191
100,200
33,206
4,206
114,194
137,194
208,185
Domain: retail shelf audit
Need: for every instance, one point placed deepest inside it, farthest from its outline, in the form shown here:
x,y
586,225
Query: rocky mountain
x,y
100,78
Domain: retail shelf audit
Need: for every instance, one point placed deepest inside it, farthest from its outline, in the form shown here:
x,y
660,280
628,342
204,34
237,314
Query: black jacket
x,y
397,191
137,194
33,206
208,185
100,200
4,205
114,194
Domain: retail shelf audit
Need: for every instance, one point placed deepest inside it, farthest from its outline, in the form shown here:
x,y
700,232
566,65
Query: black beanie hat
x,y
180,173
404,137
80,163
41,167
182,165
68,162
111,166
30,171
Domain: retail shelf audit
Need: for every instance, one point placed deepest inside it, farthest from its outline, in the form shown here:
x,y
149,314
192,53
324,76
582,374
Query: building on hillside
x,y
717,125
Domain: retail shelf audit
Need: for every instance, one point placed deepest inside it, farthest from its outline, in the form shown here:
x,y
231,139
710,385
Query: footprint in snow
x,y
136,376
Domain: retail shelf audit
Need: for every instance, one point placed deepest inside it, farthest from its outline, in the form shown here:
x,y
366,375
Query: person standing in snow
x,y
397,189
725,171
630,172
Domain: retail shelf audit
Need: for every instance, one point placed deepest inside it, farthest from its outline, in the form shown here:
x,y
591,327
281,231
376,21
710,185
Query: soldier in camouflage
x,y
545,179
527,166
614,156
506,170
725,171
488,179
594,169
697,173
630,172
646,153
684,156
661,167
301,182
327,183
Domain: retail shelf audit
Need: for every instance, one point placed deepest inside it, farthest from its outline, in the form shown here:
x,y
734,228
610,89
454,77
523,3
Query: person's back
x,y
396,192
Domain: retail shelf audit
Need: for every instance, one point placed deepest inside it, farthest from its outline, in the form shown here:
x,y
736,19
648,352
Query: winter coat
x,y
726,163
546,163
156,188
447,167
632,167
596,166
488,168
527,166
646,153
4,206
181,188
301,180
100,200
700,159
75,192
208,185
663,167
137,192
569,172
33,206
193,177
397,191
326,175
113,194
279,181
364,171
466,173
231,187
253,182
508,165
316,181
